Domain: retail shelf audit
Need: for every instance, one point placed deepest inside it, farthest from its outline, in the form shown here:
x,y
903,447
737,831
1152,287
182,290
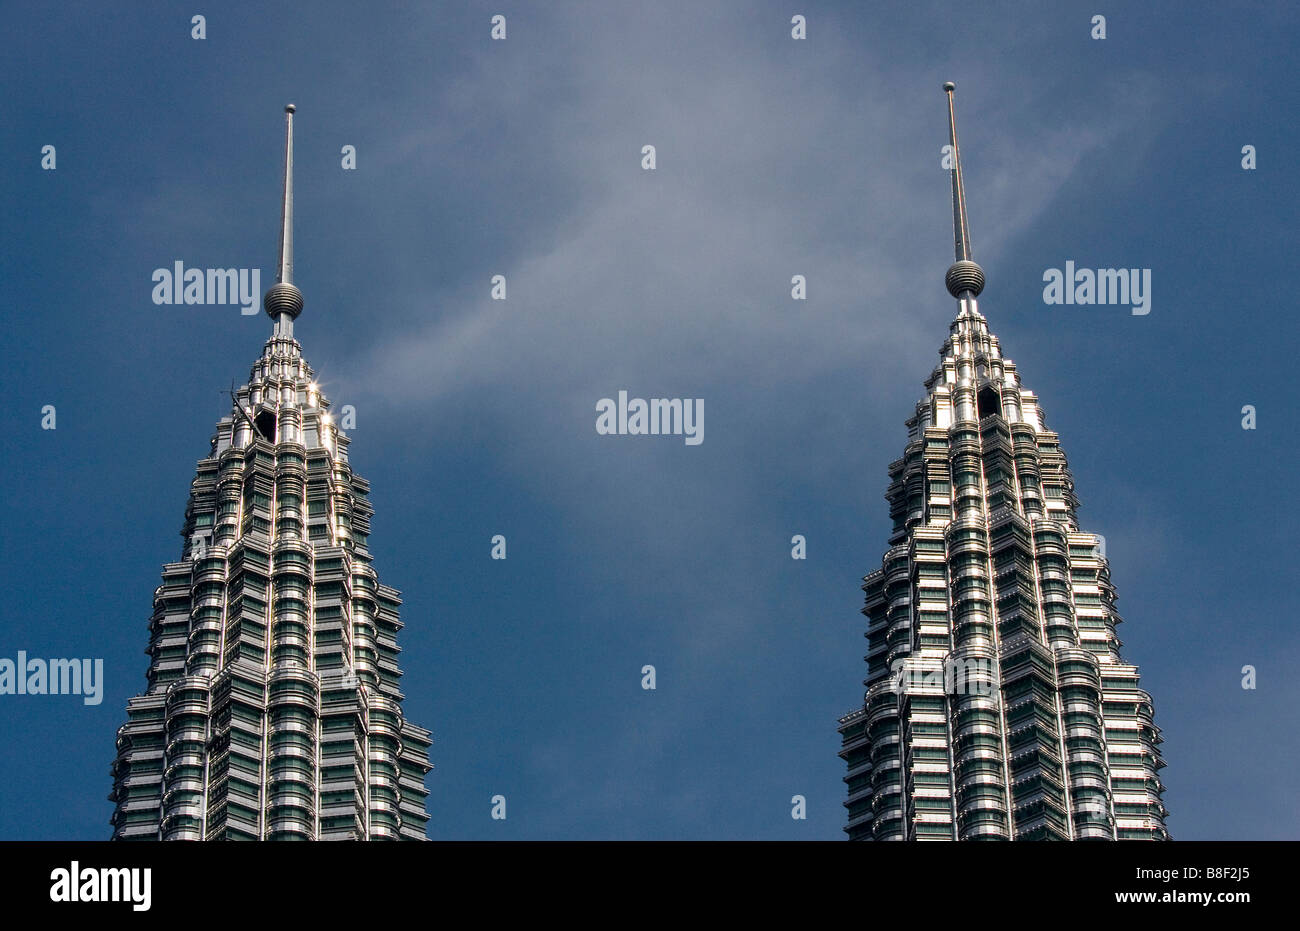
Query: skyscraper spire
x,y
283,302
286,206
997,703
965,276
273,700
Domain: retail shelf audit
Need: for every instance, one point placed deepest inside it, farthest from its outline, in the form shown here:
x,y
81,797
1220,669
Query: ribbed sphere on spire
x,y
964,276
283,298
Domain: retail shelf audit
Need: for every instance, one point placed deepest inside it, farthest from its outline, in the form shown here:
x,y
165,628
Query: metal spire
x,y
960,230
283,298
964,277
286,208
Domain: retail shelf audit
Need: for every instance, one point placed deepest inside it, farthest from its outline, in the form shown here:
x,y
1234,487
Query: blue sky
x,y
475,417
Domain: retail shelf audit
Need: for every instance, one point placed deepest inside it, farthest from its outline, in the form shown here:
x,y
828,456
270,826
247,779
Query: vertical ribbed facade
x,y
997,703
273,701
273,704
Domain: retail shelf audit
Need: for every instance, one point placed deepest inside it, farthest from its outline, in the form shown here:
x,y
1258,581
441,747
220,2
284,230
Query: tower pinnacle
x,y
998,705
283,299
964,277
272,708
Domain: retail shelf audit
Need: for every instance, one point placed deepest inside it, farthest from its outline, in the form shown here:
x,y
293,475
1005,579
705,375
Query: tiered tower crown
x,y
273,707
997,704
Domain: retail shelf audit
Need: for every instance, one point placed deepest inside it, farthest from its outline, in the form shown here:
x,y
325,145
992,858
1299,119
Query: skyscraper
x,y
273,709
997,703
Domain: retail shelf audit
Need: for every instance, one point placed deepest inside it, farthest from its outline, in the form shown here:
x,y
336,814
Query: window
x,y
989,402
265,422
